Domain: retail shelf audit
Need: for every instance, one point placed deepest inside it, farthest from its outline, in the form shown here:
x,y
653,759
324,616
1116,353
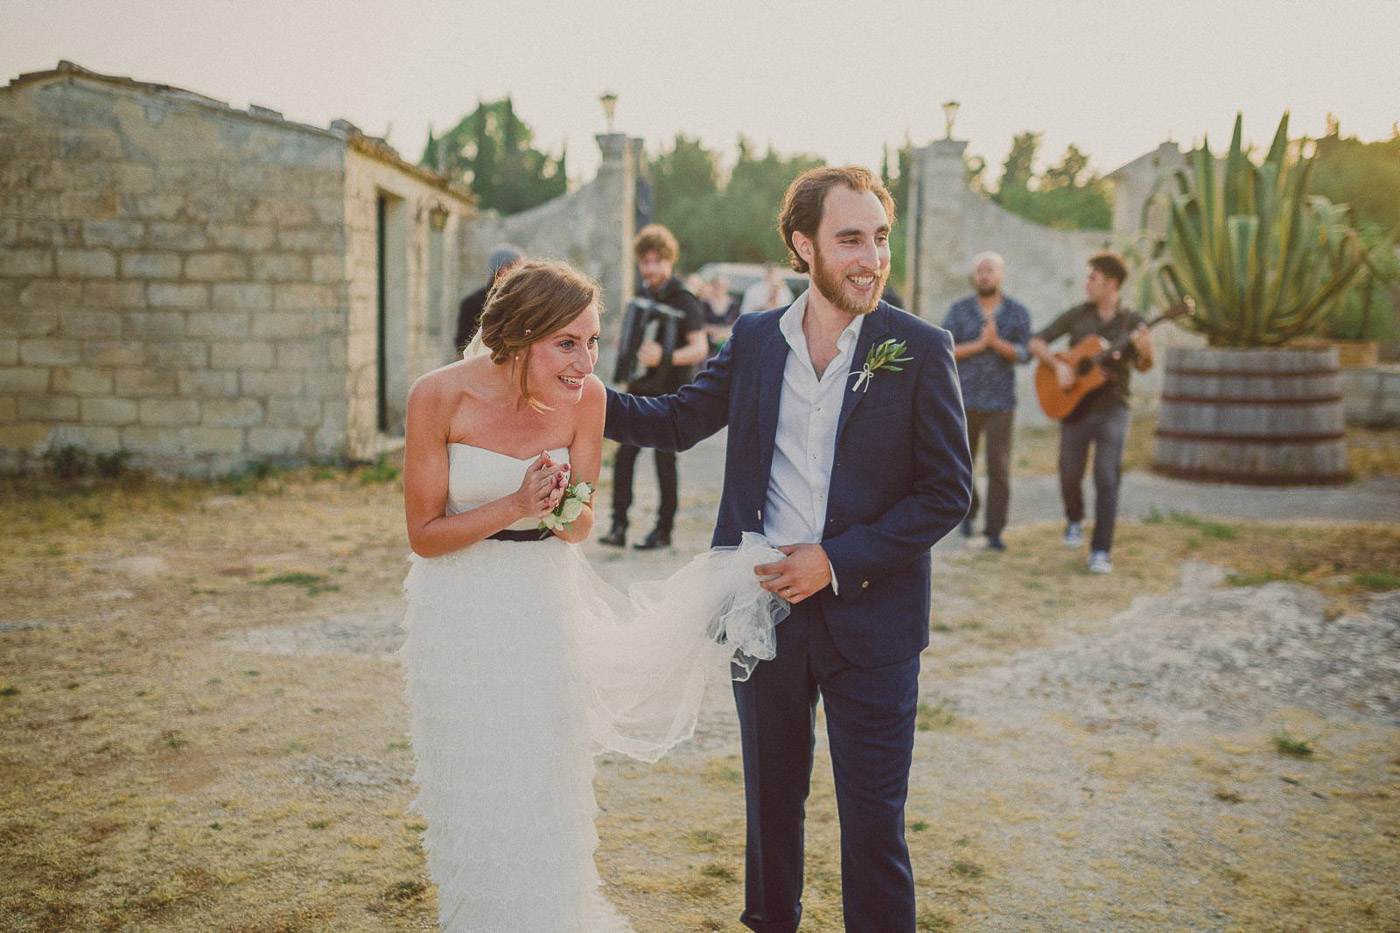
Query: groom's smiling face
x,y
850,255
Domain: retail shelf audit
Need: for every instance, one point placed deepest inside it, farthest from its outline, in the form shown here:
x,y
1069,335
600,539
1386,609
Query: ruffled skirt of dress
x,y
522,664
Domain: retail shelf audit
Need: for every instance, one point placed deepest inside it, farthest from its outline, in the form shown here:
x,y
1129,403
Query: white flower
x,y
570,507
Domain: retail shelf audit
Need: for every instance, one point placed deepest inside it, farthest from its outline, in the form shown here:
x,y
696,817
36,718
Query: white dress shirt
x,y
805,445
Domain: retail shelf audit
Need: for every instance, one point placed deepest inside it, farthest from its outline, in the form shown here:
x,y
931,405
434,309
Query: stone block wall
x,y
170,278
197,284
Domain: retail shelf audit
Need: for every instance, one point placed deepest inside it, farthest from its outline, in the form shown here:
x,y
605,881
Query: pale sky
x,y
832,79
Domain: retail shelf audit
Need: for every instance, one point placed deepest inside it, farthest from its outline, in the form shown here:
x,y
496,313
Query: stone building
x,y
204,286
1136,183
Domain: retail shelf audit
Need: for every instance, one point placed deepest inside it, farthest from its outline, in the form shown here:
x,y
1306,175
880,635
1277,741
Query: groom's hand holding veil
x,y
804,570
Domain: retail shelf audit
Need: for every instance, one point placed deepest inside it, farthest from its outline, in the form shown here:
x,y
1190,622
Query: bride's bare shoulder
x,y
448,384
593,405
594,392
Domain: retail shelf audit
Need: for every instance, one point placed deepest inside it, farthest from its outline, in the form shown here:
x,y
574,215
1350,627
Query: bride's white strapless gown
x,y
522,664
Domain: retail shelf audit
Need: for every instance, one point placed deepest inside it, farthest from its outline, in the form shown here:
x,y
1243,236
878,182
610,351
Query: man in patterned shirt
x,y
990,333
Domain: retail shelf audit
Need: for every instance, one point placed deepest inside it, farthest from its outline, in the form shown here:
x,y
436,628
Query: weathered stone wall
x,y
197,285
1137,182
591,228
156,277
950,223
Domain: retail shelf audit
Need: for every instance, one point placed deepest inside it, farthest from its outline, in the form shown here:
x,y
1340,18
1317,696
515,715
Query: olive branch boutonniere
x,y
884,356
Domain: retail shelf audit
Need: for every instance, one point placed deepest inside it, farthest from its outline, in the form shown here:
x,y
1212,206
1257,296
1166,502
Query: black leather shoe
x,y
966,527
657,539
617,537
994,543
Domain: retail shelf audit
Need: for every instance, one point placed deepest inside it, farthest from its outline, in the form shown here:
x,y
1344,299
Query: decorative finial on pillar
x,y
609,102
950,113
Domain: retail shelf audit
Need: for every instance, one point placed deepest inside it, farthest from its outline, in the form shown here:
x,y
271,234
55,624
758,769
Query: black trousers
x,y
624,466
1107,431
870,715
996,425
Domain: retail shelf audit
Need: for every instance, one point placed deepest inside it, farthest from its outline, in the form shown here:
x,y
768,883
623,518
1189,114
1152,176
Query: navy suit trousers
x,y
870,716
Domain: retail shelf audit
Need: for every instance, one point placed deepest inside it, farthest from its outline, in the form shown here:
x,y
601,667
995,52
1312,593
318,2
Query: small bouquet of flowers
x,y
570,507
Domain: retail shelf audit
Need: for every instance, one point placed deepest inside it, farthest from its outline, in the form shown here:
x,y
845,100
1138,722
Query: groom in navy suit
x,y
847,448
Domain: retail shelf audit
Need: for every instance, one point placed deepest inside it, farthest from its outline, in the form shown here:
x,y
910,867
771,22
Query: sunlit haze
x,y
837,80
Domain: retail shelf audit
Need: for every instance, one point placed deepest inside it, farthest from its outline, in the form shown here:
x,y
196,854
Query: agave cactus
x,y
1365,312
1259,260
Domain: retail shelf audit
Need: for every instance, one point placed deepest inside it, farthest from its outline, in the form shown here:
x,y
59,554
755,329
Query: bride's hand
x,y
561,480
539,491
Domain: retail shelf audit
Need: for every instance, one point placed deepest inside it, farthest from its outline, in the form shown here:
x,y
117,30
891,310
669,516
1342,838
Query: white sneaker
x,y
1099,562
1074,534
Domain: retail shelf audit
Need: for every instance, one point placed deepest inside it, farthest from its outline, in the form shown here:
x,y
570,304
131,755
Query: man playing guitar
x,y
1101,417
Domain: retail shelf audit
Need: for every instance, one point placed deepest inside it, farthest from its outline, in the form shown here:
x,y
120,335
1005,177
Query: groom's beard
x,y
832,285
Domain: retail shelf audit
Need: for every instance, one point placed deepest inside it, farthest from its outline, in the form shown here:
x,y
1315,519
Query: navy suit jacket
x,y
900,481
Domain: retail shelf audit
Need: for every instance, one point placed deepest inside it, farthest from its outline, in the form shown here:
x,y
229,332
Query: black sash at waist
x,y
509,535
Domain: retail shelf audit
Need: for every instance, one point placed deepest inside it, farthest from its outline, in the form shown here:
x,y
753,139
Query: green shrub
x,y
67,462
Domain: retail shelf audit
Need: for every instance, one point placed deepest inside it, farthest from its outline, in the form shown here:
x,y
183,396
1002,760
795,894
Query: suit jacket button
x,y
864,584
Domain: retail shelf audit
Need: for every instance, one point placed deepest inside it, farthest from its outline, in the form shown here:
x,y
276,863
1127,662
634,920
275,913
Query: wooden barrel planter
x,y
1263,417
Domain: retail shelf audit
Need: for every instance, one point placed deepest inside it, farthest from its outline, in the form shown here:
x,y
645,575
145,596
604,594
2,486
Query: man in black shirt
x,y
1102,416
665,370
502,259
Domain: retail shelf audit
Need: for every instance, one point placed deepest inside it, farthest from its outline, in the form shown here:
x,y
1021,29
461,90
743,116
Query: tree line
x,y
728,213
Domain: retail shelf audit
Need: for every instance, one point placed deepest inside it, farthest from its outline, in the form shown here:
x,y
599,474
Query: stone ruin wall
x,y
188,282
169,280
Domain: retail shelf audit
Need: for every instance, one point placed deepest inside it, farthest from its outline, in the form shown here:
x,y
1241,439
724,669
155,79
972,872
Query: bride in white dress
x,y
521,662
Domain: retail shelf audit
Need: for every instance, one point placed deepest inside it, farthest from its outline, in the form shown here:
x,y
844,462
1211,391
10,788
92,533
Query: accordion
x,y
646,320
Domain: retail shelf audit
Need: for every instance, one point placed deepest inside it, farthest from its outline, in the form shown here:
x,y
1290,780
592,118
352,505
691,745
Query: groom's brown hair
x,y
529,303
806,196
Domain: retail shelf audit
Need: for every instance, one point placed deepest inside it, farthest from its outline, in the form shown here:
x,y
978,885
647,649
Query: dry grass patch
x,y
161,780
161,769
1373,452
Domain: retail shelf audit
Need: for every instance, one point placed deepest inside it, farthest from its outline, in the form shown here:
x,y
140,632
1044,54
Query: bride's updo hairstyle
x,y
529,303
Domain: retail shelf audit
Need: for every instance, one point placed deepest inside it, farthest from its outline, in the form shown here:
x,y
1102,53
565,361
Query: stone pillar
x,y
938,194
617,180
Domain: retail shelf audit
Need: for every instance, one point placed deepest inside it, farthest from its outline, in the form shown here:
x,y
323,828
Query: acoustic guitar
x,y
1086,358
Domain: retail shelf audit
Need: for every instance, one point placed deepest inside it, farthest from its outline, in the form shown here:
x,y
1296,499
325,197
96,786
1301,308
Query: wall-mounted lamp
x,y
437,217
